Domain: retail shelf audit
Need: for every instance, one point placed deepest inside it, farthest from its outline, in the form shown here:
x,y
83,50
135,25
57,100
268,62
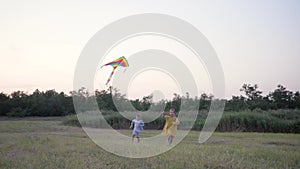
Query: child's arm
x,y
177,122
131,125
142,125
163,114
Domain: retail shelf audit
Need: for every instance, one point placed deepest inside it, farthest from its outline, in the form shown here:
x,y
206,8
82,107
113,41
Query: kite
x,y
122,61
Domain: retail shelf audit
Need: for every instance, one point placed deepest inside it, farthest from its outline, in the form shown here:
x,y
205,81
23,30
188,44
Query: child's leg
x,y
138,136
132,139
171,139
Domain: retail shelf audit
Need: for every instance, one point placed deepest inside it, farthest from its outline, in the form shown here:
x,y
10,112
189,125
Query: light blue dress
x,y
138,126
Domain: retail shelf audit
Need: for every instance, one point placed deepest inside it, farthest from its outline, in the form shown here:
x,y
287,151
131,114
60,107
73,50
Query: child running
x,y
137,126
171,124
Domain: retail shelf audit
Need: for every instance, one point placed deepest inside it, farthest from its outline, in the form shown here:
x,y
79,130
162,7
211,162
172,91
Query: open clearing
x,y
49,144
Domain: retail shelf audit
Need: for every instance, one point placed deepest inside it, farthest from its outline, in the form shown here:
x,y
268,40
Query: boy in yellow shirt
x,y
171,124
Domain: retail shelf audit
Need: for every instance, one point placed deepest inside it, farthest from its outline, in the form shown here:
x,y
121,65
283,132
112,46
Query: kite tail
x,y
111,74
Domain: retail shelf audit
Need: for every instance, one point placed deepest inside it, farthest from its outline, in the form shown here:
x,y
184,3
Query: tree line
x,y
52,103
280,98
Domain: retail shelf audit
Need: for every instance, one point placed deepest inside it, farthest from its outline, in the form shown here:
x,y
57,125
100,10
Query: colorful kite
x,y
122,61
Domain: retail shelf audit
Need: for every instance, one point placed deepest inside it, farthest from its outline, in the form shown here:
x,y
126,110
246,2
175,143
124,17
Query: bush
x,y
71,120
17,112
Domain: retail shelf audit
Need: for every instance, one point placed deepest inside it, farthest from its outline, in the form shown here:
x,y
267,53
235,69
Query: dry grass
x,y
49,144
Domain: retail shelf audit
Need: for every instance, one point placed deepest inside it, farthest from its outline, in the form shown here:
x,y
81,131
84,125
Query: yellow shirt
x,y
170,127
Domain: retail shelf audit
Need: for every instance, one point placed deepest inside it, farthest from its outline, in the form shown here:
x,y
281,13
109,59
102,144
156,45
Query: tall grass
x,y
257,122
277,121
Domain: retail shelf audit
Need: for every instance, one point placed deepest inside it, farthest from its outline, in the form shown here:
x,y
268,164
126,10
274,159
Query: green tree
x,y
296,99
254,97
282,98
236,103
205,101
4,107
251,92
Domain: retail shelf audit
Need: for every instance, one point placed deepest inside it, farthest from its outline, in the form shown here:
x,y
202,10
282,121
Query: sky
x,y
257,42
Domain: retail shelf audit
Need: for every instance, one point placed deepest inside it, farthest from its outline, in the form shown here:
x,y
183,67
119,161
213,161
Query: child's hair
x,y
172,109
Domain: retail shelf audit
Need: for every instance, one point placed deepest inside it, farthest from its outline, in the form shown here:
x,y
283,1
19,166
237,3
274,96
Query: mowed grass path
x,y
49,144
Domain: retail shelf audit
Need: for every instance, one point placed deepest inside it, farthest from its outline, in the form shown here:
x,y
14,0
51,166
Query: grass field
x,y
49,144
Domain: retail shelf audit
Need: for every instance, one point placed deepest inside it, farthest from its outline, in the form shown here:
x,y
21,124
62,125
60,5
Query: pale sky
x,y
256,41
